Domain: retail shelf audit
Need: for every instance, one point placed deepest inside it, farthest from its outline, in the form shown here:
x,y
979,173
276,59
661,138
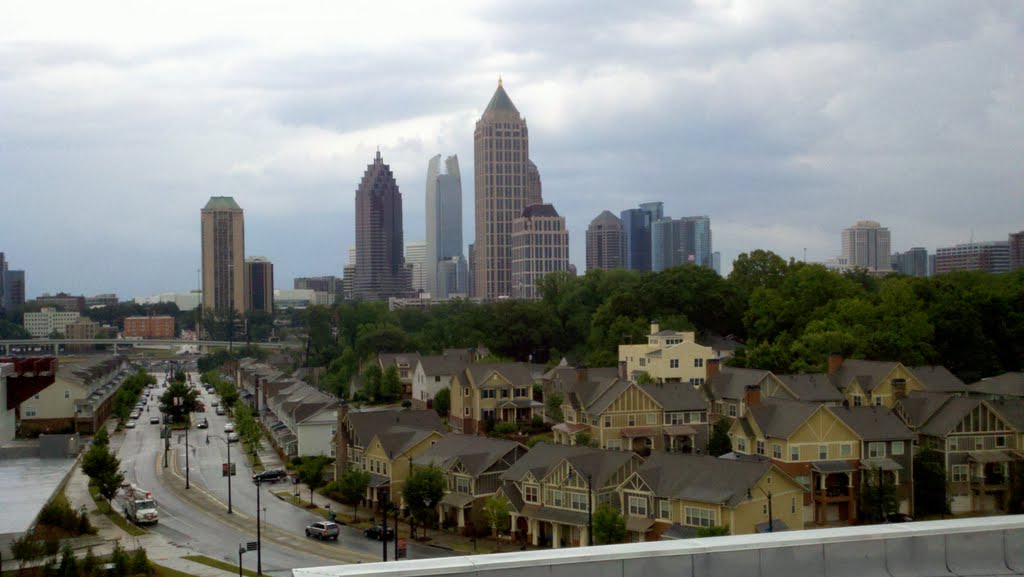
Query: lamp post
x,y
259,540
384,536
229,466
396,533
768,494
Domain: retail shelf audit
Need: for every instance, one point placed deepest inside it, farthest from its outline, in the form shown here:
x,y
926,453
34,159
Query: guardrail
x,y
960,547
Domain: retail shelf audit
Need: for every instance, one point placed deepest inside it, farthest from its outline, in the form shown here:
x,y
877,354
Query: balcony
x,y
833,494
990,481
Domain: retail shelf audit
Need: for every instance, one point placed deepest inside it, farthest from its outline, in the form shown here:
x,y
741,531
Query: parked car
x,y
323,530
232,437
130,424
154,420
377,532
229,427
214,403
203,424
220,410
270,476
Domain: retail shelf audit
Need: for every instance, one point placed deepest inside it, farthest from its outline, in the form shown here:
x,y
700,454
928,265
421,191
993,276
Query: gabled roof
x,y
949,415
868,374
1012,410
873,423
811,387
442,365
518,374
732,382
1004,385
368,424
938,379
477,454
677,396
388,359
600,464
780,418
396,441
307,411
500,102
701,478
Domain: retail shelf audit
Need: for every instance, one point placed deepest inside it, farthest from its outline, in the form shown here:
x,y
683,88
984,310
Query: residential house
x,y
473,467
726,388
405,364
811,444
886,448
79,399
810,388
554,489
884,382
493,392
669,356
383,443
673,496
721,347
302,420
979,439
434,373
1004,386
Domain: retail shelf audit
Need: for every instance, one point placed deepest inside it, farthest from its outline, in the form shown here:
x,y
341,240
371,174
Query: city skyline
x,y
782,125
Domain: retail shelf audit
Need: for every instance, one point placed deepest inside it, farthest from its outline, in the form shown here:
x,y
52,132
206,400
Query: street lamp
x,y
768,494
259,540
229,466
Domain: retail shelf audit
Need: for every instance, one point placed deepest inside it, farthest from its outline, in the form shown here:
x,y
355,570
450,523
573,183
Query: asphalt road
x,y
200,520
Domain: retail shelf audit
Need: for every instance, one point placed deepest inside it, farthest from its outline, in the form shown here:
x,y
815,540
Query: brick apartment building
x,y
161,327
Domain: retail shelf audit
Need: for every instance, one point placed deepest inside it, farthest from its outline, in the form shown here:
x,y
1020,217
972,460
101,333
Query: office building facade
x,y
504,182
540,245
12,286
443,221
606,243
914,262
681,241
380,263
866,246
49,320
1016,247
637,224
416,262
259,280
325,284
991,256
223,247
154,327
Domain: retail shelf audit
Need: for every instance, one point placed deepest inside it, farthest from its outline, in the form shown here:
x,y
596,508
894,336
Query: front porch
x,y
833,492
550,527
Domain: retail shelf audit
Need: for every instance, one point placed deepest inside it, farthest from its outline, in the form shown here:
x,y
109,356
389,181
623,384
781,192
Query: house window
x,y
437,378
30,411
664,509
556,498
332,450
673,363
486,393
698,363
760,447
643,362
876,450
504,393
792,506
1000,442
776,451
614,444
578,501
67,393
530,493
822,452
632,420
845,450
36,397
741,445
652,418
700,517
960,473
467,411
878,401
384,468
794,453
462,485
897,448
465,392
607,421
637,506
521,392
858,400
732,410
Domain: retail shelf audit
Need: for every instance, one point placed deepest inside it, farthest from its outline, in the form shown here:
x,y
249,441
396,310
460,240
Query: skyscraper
x,y
914,262
416,261
223,241
866,245
12,286
504,181
1016,240
991,256
606,243
540,245
380,264
637,223
696,240
679,241
444,221
259,278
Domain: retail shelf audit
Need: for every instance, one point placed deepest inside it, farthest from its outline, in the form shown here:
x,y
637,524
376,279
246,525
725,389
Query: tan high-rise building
x,y
223,255
606,243
505,182
866,246
540,245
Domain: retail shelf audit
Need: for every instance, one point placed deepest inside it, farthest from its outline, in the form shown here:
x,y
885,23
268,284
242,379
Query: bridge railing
x,y
961,547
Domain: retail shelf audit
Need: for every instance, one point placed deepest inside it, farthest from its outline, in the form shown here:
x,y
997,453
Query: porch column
x,y
556,535
534,528
462,517
512,518
440,516
584,537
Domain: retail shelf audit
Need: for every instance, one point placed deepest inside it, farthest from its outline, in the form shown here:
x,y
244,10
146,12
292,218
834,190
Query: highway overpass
x,y
960,547
47,345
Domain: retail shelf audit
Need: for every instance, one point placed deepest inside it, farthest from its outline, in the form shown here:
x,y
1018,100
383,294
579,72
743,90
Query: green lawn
x,y
162,571
217,564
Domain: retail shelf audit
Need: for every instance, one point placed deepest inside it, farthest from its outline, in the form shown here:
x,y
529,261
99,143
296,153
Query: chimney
x,y
752,396
654,327
835,360
899,388
712,366
581,374
622,371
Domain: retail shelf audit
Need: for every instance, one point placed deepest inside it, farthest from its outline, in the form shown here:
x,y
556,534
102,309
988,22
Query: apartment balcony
x,y
833,495
990,482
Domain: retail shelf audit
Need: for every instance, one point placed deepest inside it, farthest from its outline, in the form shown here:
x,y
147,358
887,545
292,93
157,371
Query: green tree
x,y
443,402
68,564
877,496
930,484
713,531
311,472
583,439
553,405
390,385
27,549
719,443
372,378
9,330
495,511
422,491
352,486
101,438
609,525
645,378
179,410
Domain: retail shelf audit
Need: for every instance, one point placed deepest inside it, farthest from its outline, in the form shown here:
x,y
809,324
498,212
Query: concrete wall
x,y
980,546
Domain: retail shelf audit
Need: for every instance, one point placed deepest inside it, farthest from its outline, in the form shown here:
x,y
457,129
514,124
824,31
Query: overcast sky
x,y
782,121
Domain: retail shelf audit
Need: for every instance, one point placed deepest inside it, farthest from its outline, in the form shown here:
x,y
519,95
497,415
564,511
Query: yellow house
x,y
79,399
492,392
811,444
674,496
389,458
667,356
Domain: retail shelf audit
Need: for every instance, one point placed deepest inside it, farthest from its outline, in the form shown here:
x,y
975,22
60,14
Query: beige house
x,y
492,392
884,382
78,400
667,356
674,496
405,364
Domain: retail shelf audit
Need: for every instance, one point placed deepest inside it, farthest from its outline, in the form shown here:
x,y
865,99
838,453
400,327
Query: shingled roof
x,y
701,478
919,406
365,425
812,387
477,454
677,396
600,464
518,374
873,423
442,365
938,379
732,382
780,418
868,374
1004,385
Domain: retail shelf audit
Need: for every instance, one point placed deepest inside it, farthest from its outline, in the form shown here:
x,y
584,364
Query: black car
x,y
270,476
377,532
203,424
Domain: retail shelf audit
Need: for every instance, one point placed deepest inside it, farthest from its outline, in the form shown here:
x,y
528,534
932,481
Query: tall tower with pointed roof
x,y
223,243
380,259
505,182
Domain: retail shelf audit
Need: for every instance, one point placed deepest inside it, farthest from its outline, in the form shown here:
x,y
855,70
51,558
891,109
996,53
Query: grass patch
x,y
120,521
301,503
217,564
162,571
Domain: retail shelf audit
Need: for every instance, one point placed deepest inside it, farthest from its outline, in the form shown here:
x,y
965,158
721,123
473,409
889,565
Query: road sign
x,y
224,469
251,546
403,547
